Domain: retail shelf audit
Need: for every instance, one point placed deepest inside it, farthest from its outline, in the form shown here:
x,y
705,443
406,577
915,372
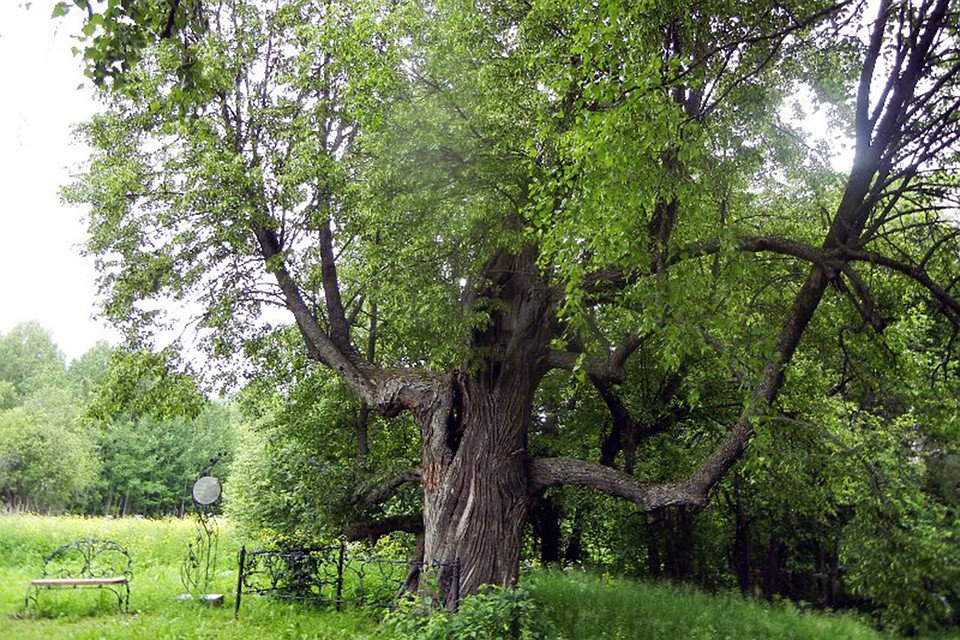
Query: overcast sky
x,y
42,275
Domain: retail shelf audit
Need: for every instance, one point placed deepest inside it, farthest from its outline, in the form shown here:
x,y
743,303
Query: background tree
x,y
519,188
47,456
113,432
157,435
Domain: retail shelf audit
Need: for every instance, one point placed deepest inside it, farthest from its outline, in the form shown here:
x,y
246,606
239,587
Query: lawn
x,y
157,547
565,605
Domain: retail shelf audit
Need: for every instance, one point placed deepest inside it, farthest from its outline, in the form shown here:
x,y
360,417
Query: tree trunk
x,y
363,437
574,551
771,574
741,537
741,551
475,509
680,544
477,493
546,528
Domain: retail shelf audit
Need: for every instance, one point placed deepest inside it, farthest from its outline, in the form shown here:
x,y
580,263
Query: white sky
x,y
42,275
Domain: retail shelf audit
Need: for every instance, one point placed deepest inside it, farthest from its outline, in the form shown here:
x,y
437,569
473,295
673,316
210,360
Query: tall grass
x,y
579,605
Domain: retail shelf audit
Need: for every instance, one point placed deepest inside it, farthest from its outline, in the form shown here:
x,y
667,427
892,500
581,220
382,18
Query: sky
x,y
43,277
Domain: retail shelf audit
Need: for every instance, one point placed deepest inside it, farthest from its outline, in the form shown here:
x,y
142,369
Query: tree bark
x,y
474,471
475,508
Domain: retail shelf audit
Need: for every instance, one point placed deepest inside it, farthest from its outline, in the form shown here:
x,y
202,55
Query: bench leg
x,y
122,602
32,594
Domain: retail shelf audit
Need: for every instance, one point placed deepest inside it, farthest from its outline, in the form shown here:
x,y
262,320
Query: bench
x,y
91,563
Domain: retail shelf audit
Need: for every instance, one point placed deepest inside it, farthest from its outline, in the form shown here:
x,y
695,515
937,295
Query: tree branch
x,y
373,531
551,472
339,327
916,274
319,344
609,368
612,279
383,491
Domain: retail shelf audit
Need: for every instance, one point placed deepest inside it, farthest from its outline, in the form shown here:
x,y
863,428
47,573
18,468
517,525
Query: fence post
x,y
455,587
343,550
243,558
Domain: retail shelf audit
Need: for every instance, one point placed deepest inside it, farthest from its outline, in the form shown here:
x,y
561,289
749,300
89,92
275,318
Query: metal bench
x,y
91,563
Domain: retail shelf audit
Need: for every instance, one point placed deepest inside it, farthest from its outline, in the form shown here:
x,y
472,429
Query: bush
x,y
495,613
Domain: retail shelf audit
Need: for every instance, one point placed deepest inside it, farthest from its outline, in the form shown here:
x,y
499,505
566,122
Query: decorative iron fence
x,y
332,575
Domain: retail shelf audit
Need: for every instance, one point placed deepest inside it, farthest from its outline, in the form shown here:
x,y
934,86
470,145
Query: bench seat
x,y
76,582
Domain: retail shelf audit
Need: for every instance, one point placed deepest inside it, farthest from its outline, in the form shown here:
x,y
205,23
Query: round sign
x,y
206,490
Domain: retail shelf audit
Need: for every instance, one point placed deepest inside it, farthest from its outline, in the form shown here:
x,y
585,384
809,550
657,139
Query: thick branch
x,y
319,344
622,428
389,391
613,279
372,531
380,493
171,18
339,327
604,368
551,472
916,274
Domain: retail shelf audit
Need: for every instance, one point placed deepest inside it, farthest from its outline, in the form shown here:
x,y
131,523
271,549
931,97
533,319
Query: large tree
x,y
454,199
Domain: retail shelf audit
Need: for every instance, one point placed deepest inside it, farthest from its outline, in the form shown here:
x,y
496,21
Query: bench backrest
x,y
90,558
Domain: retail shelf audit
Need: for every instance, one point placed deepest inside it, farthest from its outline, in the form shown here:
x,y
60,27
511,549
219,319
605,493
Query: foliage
x,y
29,361
115,432
496,612
137,384
297,477
492,191
44,465
47,455
149,465
902,555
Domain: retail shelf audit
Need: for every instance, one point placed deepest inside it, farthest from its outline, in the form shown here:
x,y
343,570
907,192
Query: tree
x,y
29,359
491,192
156,432
44,464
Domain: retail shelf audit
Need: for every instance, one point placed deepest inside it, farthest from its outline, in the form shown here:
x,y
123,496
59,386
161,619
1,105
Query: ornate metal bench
x,y
91,563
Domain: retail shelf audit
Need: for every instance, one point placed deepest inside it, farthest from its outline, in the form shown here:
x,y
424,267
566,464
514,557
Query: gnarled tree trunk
x,y
476,490
475,508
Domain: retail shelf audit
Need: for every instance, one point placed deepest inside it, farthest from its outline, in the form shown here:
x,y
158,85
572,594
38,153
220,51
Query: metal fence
x,y
334,575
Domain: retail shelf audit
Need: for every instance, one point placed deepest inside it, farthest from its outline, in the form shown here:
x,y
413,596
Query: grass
x,y
157,547
572,605
585,606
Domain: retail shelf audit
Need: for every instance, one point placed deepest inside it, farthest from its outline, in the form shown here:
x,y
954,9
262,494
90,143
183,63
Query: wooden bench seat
x,y
91,563
76,582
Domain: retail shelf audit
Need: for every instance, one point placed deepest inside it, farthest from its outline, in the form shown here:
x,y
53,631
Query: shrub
x,y
495,613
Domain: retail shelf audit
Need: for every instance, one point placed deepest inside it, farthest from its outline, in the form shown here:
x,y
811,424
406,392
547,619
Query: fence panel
x,y
331,575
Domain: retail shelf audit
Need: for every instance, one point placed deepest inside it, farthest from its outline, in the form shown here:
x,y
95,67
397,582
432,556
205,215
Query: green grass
x,y
574,605
157,548
585,606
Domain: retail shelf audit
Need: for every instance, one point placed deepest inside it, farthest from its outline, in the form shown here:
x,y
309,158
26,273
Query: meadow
x,y
563,605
